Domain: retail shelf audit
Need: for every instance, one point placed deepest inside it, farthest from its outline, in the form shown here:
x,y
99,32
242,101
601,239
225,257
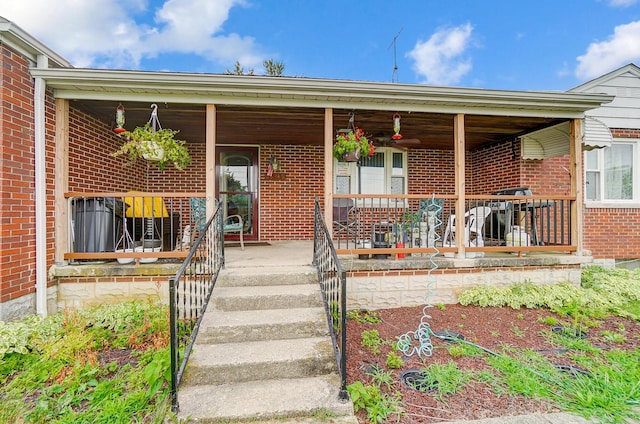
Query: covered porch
x,y
462,146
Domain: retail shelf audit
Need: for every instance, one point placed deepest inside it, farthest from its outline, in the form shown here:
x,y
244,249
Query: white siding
x,y
624,110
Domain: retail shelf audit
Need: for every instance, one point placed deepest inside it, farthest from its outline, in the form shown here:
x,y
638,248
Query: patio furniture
x,y
149,219
345,218
232,223
474,224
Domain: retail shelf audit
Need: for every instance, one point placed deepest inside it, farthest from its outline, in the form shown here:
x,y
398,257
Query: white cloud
x,y
621,48
113,34
440,60
622,3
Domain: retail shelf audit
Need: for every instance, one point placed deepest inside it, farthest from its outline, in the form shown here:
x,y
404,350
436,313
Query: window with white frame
x,y
383,173
612,172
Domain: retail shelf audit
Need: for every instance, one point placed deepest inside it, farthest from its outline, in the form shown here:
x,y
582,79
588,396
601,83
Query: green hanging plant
x,y
353,144
159,147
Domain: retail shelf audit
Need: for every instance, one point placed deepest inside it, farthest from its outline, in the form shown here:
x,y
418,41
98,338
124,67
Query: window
x,y
611,173
383,173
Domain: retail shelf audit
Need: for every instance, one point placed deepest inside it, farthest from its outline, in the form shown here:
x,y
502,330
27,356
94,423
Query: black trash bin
x,y
380,239
97,224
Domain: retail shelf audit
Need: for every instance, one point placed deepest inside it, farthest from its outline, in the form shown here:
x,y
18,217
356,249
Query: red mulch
x,y
490,328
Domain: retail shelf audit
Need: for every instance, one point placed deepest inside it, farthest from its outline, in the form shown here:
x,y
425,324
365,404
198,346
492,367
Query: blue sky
x,y
495,44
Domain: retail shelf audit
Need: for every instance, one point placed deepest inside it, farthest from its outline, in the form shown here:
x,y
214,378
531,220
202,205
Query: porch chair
x,y
345,218
232,223
474,220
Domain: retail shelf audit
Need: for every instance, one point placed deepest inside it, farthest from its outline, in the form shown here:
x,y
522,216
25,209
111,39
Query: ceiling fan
x,y
396,139
387,140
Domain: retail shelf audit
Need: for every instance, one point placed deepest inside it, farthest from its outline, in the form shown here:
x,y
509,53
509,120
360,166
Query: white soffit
x,y
554,141
596,134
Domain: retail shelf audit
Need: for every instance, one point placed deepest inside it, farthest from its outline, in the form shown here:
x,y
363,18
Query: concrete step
x,y
263,352
259,360
266,276
266,297
312,399
230,326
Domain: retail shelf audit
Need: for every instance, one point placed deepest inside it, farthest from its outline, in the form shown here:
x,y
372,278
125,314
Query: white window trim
x,y
617,203
350,169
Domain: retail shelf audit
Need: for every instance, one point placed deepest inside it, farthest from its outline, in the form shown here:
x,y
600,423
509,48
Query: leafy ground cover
x,y
503,352
104,365
110,364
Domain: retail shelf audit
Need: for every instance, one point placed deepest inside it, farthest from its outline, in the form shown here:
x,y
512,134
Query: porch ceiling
x,y
290,125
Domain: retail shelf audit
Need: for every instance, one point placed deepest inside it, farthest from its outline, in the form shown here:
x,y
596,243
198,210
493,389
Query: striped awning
x,y
597,134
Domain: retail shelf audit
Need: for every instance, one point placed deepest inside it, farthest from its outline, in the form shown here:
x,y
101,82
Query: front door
x,y
238,187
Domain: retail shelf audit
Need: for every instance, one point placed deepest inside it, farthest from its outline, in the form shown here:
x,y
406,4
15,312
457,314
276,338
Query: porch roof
x,y
277,106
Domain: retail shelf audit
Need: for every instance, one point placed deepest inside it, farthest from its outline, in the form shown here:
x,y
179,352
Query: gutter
x,y
118,85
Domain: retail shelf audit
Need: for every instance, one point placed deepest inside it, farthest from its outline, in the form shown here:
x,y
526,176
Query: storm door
x,y
238,187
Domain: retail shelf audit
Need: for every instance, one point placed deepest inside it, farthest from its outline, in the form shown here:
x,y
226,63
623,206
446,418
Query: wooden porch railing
x,y
398,225
129,226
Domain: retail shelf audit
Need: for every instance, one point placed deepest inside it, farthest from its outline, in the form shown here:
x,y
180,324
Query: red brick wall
x,y
549,176
287,198
431,171
17,238
493,168
612,232
190,179
91,165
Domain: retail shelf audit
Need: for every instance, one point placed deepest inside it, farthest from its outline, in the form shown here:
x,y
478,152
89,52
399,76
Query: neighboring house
x,y
612,175
56,133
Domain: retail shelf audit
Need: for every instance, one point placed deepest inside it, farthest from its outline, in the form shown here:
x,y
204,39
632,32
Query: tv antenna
x,y
394,74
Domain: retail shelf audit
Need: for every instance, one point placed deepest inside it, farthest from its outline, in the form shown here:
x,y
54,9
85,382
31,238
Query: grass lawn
x,y
104,365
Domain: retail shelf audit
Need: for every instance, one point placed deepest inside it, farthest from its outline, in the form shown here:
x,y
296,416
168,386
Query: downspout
x,y
41,189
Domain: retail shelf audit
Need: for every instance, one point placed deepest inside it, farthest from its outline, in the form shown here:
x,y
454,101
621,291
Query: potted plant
x,y
351,145
157,146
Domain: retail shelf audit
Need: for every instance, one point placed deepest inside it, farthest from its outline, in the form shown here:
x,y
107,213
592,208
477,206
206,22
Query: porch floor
x,y
300,252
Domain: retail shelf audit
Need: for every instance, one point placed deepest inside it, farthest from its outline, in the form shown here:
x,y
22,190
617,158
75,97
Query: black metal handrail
x,y
189,293
333,284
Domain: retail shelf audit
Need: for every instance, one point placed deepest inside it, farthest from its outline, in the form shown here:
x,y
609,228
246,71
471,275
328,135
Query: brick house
x,y
463,145
612,183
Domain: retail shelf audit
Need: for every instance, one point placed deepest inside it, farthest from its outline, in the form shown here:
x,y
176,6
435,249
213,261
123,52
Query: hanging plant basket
x,y
352,156
351,145
155,153
155,144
